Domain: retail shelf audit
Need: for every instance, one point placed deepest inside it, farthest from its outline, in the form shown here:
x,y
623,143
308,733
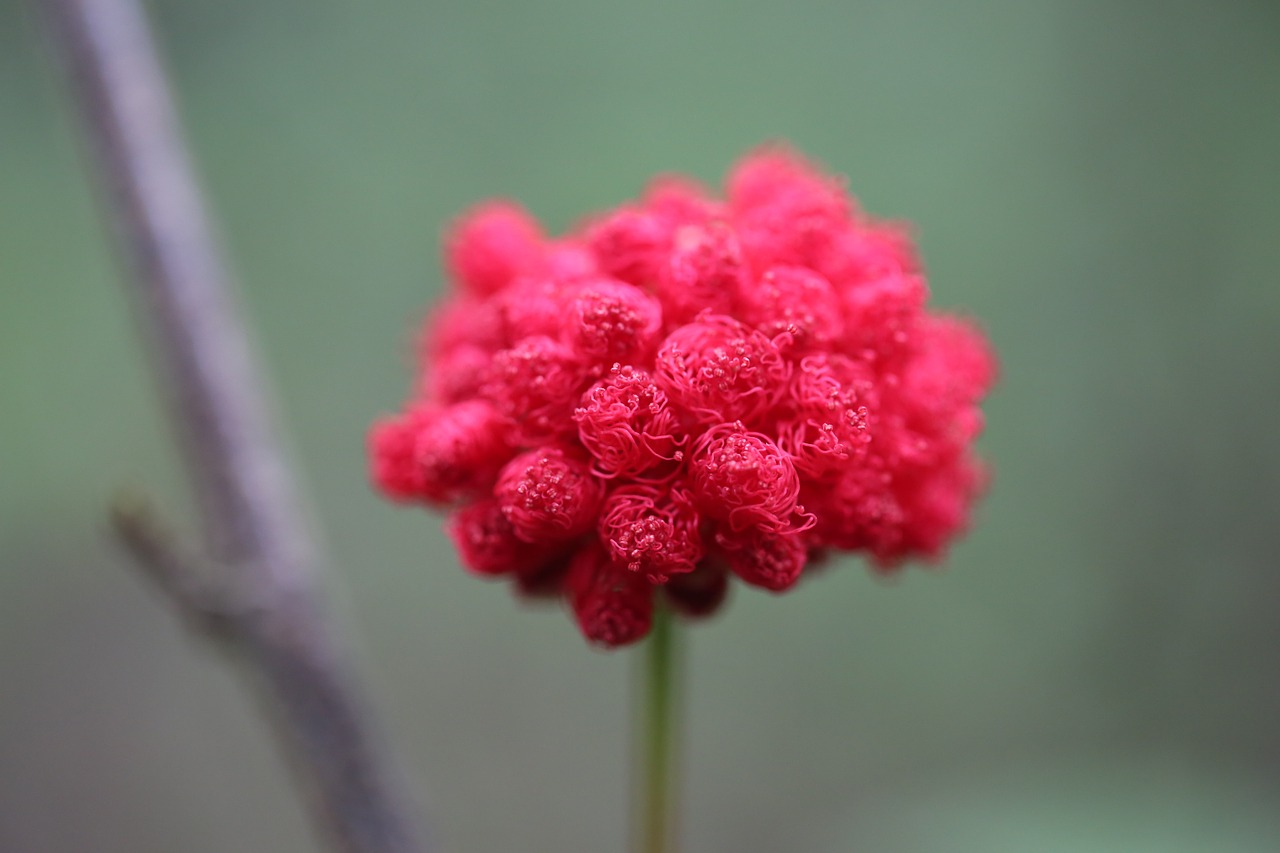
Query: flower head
x,y
700,592
719,369
771,561
686,391
548,495
652,531
823,424
491,245
627,424
534,385
613,607
797,301
487,541
610,322
705,271
744,480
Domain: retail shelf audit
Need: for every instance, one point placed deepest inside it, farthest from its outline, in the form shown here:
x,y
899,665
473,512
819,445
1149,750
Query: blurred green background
x,y
1096,669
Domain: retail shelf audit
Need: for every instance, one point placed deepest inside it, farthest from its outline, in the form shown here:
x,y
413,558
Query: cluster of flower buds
x,y
688,389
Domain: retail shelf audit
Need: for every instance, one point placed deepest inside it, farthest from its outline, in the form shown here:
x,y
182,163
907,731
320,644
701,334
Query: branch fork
x,y
253,589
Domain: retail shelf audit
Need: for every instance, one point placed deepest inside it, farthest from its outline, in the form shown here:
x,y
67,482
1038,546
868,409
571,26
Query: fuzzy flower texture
x,y
684,390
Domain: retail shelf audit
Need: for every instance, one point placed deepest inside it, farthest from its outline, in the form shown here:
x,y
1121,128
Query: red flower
x,y
652,531
491,245
705,271
798,301
718,369
488,543
613,607
548,495
772,561
627,424
823,423
613,322
745,480
687,390
700,592
630,245
534,386
392,465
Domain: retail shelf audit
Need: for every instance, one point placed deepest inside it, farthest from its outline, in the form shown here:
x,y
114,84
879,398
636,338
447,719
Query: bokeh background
x,y
1097,668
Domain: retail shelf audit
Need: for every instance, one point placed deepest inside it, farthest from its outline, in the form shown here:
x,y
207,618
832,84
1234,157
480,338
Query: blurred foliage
x,y
1094,670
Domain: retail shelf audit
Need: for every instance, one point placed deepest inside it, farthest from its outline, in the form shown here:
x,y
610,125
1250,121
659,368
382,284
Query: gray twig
x,y
178,571
263,597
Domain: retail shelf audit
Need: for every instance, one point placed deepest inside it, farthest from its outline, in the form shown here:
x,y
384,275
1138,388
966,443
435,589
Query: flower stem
x,y
656,768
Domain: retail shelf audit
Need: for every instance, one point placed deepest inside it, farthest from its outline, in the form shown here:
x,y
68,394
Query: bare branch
x,y
256,528
176,569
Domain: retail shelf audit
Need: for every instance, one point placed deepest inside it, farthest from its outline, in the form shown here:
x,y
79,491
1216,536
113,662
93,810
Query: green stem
x,y
656,770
